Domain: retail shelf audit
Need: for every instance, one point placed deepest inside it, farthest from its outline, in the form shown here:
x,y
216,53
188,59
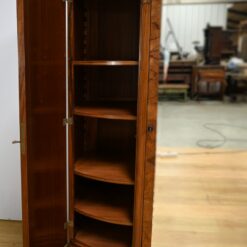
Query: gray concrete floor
x,y
182,124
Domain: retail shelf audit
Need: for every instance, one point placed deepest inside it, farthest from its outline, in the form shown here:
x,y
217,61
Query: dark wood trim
x,y
23,119
152,122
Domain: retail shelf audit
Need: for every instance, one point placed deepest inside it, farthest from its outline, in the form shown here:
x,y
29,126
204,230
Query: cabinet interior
x,y
106,30
104,93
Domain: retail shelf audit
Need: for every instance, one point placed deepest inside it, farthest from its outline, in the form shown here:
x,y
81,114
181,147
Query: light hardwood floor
x,y
200,201
10,234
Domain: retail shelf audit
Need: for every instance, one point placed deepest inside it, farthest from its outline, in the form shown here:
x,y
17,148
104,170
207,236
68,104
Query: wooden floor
x,y
10,234
200,201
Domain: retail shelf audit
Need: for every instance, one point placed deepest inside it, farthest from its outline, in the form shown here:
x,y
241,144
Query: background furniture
x,y
219,44
209,81
179,79
111,122
167,89
237,82
180,71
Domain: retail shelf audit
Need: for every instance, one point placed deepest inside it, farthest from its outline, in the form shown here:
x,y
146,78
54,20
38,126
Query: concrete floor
x,y
181,124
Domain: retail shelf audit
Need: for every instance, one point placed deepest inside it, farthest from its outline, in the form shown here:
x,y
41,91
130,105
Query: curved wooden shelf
x,y
106,169
117,111
104,63
103,205
102,235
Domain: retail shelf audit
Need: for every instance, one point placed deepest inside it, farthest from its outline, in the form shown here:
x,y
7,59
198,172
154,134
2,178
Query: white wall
x,y
190,20
10,185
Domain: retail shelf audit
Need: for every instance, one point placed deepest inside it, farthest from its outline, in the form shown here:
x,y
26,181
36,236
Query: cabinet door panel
x,y
41,29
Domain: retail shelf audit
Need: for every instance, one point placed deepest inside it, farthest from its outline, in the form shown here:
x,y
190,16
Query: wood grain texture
x,y
104,205
42,73
109,30
105,83
103,211
23,117
151,122
106,168
200,199
98,234
100,238
114,110
141,121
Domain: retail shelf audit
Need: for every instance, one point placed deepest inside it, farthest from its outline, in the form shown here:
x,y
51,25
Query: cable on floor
x,y
207,143
222,140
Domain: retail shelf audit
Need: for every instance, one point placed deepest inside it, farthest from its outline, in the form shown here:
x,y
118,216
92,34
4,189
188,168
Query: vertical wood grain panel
x,y
151,121
23,116
42,109
141,120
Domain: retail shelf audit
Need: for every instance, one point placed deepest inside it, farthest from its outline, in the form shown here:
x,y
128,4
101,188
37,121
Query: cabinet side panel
x,y
152,121
42,109
22,99
145,19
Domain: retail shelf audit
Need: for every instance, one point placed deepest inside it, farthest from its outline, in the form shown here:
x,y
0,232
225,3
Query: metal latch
x,y
22,138
16,142
68,224
68,121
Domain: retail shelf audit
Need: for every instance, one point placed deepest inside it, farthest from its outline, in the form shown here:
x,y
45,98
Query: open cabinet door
x,y
41,29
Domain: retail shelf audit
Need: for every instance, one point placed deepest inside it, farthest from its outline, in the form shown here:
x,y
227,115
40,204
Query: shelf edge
x,y
101,218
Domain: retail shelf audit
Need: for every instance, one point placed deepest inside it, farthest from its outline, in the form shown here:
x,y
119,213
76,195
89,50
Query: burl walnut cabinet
x,y
88,96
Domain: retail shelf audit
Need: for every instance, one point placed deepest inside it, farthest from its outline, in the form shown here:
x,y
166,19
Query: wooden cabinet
x,y
219,44
88,145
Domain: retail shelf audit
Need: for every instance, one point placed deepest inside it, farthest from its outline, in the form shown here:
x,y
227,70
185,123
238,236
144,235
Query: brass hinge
x,y
68,224
68,121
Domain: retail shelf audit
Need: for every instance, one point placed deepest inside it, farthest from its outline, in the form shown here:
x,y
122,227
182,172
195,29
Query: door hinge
x,y
68,121
69,224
